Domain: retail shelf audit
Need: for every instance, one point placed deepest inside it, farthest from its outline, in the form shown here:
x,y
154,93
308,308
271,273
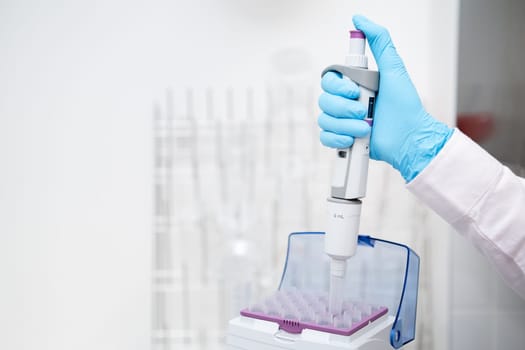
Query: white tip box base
x,y
252,334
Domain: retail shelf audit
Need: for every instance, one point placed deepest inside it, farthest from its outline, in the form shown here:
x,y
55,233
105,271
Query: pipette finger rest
x,y
295,311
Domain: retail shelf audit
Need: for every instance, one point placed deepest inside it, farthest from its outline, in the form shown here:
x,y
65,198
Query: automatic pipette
x,y
350,174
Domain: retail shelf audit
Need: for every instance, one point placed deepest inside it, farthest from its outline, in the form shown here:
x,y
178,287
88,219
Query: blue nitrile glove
x,y
404,134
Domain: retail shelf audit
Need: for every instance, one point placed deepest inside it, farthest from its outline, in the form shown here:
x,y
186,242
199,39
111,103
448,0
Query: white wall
x,y
75,199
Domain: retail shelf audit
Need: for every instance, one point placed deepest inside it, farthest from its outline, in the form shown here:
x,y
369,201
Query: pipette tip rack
x,y
295,311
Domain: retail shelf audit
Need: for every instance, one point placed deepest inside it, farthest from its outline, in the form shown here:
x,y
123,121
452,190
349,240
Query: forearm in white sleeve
x,y
481,199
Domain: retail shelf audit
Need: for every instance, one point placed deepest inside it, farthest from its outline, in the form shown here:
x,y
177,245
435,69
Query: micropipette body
x,y
350,174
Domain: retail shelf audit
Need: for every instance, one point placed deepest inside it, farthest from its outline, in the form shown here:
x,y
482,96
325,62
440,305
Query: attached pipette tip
x,y
337,278
338,267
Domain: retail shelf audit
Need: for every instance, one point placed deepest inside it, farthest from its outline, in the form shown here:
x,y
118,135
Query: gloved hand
x,y
404,134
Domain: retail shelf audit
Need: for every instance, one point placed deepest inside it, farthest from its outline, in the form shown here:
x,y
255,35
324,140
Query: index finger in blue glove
x,y
341,107
334,84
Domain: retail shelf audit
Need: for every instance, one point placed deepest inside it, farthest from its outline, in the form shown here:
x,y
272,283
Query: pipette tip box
x,y
295,311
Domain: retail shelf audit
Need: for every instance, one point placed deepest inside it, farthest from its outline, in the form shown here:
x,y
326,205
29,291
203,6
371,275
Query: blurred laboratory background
x,y
156,155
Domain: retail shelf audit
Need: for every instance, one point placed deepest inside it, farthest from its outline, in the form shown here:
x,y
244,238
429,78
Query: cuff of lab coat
x,y
457,178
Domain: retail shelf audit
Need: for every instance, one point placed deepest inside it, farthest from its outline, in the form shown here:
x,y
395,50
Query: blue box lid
x,y
381,272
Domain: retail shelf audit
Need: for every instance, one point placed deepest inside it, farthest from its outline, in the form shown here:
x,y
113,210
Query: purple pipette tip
x,y
357,34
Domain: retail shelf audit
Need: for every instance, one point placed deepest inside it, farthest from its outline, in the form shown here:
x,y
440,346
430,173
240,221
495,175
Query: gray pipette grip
x,y
351,165
363,77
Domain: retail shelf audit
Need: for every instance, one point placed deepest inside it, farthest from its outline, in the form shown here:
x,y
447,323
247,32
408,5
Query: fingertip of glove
x,y
332,140
320,119
320,100
358,19
328,80
331,75
364,129
360,22
334,84
371,29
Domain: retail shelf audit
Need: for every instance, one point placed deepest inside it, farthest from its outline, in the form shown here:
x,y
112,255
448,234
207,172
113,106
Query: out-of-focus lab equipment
x,y
326,300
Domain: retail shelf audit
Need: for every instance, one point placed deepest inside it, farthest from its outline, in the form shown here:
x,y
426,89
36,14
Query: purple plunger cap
x,y
357,34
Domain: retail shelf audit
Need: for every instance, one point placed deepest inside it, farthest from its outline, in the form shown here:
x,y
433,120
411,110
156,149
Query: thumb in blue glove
x,y
404,134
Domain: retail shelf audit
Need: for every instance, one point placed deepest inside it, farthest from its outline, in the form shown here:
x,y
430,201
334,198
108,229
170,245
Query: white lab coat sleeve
x,y
481,199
